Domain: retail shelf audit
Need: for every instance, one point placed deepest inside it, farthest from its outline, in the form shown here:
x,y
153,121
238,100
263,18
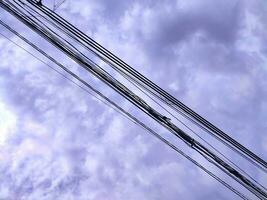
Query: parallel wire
x,y
165,96
115,85
142,90
198,145
67,34
112,104
171,114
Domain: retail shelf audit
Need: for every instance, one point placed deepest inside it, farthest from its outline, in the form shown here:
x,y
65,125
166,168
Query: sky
x,y
58,142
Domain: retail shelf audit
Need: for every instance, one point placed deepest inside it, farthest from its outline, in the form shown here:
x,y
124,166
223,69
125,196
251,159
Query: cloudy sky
x,y
57,142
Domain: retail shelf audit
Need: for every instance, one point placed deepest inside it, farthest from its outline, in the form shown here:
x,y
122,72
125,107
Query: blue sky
x,y
57,142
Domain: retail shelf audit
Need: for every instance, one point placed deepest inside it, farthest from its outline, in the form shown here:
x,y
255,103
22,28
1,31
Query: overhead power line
x,y
142,89
111,104
153,88
86,63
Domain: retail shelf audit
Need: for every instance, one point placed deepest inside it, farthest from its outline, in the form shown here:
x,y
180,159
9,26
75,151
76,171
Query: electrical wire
x,y
220,161
119,88
164,95
112,104
138,87
217,138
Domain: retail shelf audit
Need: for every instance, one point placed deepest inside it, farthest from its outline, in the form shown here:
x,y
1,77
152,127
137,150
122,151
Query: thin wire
x,y
190,129
162,92
172,127
127,78
56,6
59,72
159,97
135,120
118,87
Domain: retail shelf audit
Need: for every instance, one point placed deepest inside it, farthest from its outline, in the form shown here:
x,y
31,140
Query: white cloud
x,y
8,122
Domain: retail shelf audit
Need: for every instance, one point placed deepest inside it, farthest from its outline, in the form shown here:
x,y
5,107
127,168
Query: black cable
x,y
66,33
118,87
224,157
132,98
205,129
121,110
153,86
